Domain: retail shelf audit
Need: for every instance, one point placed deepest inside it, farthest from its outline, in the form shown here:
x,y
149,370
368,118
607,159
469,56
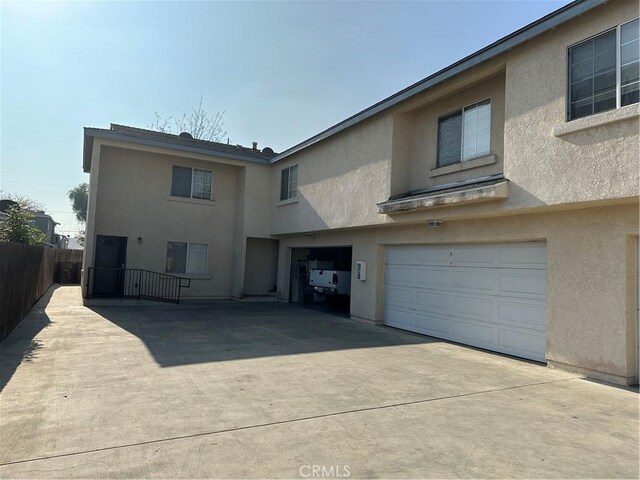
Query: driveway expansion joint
x,y
289,421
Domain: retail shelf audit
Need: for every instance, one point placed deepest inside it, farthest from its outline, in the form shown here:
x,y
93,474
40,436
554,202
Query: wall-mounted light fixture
x,y
361,270
434,223
139,239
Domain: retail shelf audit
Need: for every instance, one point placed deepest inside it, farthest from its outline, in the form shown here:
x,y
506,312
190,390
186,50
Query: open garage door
x,y
320,278
488,296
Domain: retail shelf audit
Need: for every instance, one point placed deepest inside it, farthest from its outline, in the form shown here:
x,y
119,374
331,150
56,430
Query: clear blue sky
x,y
281,71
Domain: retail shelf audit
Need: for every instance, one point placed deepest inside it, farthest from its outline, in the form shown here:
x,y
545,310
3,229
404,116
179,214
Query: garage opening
x,y
320,278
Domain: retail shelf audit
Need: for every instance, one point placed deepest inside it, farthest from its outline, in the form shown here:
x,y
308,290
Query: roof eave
x,y
91,133
87,149
502,45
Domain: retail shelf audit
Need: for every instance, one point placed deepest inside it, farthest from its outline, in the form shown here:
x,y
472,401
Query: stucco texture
x,y
132,202
598,163
340,179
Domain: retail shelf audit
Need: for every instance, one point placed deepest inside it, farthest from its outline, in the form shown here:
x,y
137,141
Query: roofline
x,y
500,46
122,137
45,215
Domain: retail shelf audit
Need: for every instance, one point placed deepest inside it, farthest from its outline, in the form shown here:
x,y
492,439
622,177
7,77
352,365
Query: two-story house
x,y
46,225
493,204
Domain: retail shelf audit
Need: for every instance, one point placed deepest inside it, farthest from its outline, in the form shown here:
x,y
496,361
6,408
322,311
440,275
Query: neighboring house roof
x,y
43,215
6,205
512,40
160,139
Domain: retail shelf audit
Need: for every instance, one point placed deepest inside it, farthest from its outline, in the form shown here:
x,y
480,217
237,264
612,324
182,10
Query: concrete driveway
x,y
268,390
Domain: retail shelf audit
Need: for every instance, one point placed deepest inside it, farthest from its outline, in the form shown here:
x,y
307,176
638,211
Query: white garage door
x,y
489,296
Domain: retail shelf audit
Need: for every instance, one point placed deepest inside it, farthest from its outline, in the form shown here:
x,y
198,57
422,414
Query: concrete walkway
x,y
231,390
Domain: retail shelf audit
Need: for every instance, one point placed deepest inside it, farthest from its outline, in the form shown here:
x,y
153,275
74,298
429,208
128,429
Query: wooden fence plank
x,y
26,273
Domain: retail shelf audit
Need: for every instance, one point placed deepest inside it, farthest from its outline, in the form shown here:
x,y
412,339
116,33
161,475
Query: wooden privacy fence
x,y
26,273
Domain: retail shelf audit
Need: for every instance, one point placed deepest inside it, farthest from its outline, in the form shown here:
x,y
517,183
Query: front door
x,y
111,256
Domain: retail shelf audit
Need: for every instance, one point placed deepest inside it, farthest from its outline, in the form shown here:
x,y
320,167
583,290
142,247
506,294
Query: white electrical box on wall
x,y
361,270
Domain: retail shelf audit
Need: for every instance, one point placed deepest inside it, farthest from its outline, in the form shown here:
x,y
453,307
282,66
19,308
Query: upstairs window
x,y
603,72
630,63
183,257
465,134
191,183
289,182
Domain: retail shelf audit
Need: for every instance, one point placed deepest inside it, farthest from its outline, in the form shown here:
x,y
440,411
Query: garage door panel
x,y
400,297
474,279
433,277
473,307
522,341
400,318
523,282
433,302
432,325
514,256
490,296
400,275
518,312
474,255
403,255
471,332
434,255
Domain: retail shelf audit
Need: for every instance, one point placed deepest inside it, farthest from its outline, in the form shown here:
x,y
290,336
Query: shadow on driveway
x,y
223,331
21,345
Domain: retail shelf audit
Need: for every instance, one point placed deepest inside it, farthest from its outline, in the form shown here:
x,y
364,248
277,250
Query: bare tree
x,y
162,124
199,123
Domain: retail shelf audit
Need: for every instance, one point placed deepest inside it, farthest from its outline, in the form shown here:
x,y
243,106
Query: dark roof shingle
x,y
177,140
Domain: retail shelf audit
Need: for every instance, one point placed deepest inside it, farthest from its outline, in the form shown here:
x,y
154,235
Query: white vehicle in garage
x,y
330,282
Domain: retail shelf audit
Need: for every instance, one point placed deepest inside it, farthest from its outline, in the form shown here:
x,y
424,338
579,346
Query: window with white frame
x,y
289,182
465,134
184,257
604,71
191,183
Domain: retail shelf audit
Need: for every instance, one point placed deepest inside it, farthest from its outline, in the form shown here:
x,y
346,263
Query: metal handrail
x,y
135,283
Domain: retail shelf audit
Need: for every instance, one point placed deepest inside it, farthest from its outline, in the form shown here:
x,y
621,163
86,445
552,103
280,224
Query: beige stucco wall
x,y
253,218
597,163
261,266
590,323
342,178
339,182
88,254
130,196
